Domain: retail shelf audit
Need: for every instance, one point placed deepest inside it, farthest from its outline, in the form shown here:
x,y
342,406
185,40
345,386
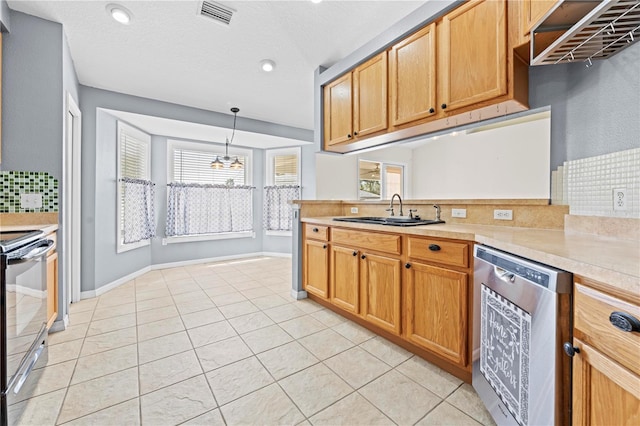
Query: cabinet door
x,y
436,310
412,80
52,287
316,268
534,10
370,96
604,393
473,50
380,281
338,115
345,278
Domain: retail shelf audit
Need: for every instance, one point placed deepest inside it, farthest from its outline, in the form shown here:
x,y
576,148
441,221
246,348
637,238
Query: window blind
x,y
192,166
285,169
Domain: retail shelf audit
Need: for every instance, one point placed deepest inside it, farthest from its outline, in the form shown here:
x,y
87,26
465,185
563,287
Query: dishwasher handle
x,y
504,275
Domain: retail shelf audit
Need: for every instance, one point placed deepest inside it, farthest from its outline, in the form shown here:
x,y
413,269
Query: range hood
x,y
583,31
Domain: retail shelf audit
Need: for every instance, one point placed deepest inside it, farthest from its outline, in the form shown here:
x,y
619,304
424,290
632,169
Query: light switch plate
x,y
354,210
31,201
460,213
503,214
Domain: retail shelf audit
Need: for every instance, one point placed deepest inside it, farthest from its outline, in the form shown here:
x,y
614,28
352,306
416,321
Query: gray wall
x,y
594,110
5,18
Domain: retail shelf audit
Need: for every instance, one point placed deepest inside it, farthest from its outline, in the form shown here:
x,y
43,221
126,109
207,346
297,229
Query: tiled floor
x,y
224,343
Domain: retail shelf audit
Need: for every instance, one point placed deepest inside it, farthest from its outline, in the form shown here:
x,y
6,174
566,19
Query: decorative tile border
x,y
15,183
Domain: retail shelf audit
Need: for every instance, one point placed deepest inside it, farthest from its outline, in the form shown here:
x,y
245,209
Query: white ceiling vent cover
x,y
216,11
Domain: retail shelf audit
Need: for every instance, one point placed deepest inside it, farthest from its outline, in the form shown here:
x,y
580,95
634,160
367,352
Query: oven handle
x,y
39,251
504,275
23,373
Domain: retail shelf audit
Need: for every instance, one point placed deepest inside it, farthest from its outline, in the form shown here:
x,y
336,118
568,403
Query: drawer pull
x,y
434,247
324,246
407,265
363,257
624,321
315,229
570,350
355,253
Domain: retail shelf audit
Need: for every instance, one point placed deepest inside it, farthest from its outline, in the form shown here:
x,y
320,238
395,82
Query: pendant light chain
x,y
236,164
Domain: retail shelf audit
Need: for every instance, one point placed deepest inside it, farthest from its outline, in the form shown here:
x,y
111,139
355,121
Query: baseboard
x,y
298,294
114,284
59,325
274,254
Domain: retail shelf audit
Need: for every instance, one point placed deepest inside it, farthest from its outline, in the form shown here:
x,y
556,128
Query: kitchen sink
x,y
391,221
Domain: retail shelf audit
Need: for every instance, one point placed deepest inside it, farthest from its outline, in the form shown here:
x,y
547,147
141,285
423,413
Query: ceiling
x,y
170,53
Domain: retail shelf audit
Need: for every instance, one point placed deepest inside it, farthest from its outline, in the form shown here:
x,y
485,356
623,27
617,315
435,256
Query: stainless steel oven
x,y
522,315
23,334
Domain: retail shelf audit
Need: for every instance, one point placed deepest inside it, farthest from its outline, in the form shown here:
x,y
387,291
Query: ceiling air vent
x,y
216,11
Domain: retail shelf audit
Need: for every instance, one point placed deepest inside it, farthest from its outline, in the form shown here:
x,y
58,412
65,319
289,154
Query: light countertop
x,y
612,261
46,228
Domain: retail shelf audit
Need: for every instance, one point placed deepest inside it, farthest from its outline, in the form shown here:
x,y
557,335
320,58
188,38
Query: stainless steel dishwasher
x,y
522,316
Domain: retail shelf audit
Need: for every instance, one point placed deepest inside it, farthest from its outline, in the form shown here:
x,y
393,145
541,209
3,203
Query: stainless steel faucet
x,y
391,204
437,207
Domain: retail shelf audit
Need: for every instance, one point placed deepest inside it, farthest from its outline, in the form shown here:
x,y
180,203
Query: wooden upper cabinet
x,y
534,10
370,96
473,53
338,112
412,77
381,283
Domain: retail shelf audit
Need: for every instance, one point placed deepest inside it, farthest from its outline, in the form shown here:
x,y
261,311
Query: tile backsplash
x,y
16,183
590,186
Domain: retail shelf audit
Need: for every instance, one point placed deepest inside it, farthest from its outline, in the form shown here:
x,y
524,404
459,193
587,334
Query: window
x,y
379,181
205,203
283,186
134,156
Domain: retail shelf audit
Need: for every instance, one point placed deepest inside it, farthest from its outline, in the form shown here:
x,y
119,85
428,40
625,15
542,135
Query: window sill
x,y
208,237
122,247
278,233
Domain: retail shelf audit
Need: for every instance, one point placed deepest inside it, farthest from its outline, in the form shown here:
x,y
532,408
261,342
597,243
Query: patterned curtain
x,y
278,214
138,212
208,209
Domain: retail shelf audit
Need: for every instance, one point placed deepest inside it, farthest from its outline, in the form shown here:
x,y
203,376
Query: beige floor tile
x,y
238,309
238,379
108,341
266,338
354,332
111,324
212,281
284,312
150,286
51,378
237,279
219,290
254,293
146,294
157,314
94,395
125,413
114,311
401,399
103,363
325,344
191,306
80,317
183,286
315,388
160,302
445,415
467,400
228,298
199,318
189,296
72,332
287,359
222,353
250,322
302,326
177,273
306,305
115,298
83,306
271,301
430,376
386,351
163,327
177,403
64,351
328,318
169,370
37,411
211,333
357,366
267,406
352,410
160,347
210,418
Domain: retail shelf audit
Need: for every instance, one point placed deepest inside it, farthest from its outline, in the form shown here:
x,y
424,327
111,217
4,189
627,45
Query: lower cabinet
x,y
52,287
345,278
436,310
381,291
316,268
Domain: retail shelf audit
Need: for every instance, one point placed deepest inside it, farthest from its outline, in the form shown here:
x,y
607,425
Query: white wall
x,y
336,177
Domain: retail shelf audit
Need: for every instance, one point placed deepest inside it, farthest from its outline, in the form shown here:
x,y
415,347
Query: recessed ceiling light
x,y
267,65
119,13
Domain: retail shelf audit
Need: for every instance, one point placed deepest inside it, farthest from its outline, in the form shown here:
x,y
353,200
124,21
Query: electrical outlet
x,y
31,201
354,210
461,213
620,200
503,214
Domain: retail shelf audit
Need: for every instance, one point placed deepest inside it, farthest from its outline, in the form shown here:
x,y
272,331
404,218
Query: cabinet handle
x,y
355,133
324,246
443,106
624,321
431,110
407,265
315,229
570,350
363,257
355,253
349,136
434,247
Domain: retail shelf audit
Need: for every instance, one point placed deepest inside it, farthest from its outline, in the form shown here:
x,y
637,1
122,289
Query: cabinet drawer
x,y
380,242
316,232
592,310
445,252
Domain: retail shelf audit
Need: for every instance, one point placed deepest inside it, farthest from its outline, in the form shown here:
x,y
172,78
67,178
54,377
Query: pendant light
x,y
236,164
